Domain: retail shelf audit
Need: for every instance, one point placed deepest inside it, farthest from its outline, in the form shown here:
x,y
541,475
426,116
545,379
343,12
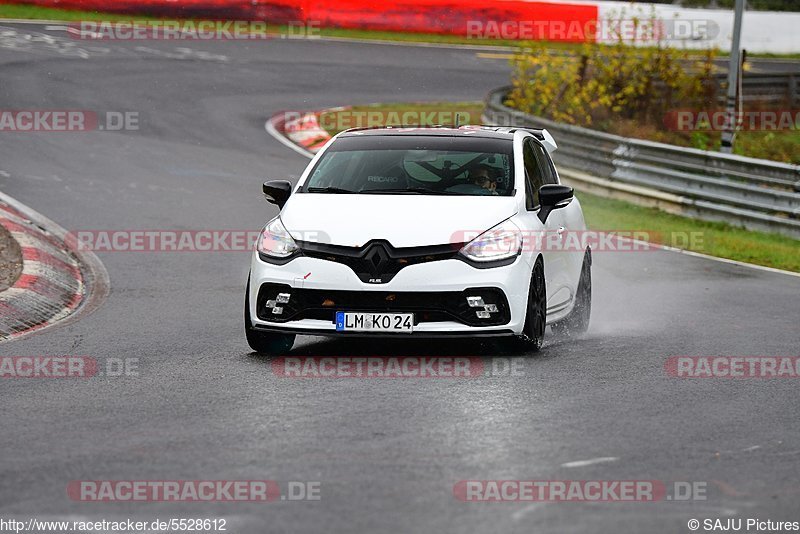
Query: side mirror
x,y
277,191
553,197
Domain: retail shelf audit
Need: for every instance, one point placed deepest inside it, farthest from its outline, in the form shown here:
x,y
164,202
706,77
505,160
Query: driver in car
x,y
481,175
479,182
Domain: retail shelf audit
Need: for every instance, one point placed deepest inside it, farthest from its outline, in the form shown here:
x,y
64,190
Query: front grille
x,y
427,306
378,261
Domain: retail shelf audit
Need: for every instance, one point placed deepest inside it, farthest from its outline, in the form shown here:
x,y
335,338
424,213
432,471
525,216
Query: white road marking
x,y
522,512
747,449
182,53
584,463
36,42
80,34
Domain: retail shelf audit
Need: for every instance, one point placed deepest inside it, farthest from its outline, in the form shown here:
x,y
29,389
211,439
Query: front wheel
x,y
577,322
536,314
264,342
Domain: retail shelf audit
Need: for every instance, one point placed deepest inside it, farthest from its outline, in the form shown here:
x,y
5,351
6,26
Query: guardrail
x,y
781,88
747,192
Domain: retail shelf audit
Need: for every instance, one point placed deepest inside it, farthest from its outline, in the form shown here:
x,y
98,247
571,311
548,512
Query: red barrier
x,y
454,17
443,16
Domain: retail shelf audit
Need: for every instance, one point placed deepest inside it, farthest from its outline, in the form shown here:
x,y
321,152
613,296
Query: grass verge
x,y
712,238
26,11
779,145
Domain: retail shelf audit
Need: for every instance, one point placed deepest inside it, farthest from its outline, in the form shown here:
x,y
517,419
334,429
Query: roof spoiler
x,y
546,138
539,133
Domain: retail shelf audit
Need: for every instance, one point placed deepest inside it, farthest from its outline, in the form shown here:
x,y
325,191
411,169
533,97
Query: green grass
x,y
712,238
777,145
25,11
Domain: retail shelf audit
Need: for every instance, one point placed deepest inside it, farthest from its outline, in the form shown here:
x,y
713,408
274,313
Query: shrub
x,y
610,82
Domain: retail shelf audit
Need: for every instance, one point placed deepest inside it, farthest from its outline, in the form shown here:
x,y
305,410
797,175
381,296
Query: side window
x,y
533,177
549,175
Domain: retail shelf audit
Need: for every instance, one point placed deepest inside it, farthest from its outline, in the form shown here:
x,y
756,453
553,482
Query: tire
x,y
536,315
577,322
264,342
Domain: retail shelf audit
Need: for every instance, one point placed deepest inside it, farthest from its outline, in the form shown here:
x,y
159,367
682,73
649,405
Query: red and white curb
x,y
53,282
300,131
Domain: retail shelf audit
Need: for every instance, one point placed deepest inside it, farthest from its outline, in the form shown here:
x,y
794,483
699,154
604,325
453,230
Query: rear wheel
x,y
577,322
536,314
264,342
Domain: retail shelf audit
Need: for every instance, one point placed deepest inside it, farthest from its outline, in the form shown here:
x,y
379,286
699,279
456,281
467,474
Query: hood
x,y
403,220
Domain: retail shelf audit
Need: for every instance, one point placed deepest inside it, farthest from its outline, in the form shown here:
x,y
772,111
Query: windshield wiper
x,y
418,190
327,190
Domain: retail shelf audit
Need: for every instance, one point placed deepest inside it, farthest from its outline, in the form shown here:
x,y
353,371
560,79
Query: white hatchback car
x,y
429,232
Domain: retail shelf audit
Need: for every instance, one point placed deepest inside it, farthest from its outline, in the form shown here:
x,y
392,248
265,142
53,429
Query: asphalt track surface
x,y
386,452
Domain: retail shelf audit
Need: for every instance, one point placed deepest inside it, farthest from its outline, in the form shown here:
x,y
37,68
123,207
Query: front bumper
x,y
433,291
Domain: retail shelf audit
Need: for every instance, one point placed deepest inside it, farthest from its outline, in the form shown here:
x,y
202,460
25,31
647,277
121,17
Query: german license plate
x,y
374,322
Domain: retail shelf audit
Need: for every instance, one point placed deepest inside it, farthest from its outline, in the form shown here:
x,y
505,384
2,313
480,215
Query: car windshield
x,y
414,165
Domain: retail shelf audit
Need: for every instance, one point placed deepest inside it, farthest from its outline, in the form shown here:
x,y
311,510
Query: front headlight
x,y
499,243
275,241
